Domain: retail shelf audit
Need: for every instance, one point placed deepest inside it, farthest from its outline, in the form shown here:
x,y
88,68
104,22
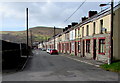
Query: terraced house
x,y
91,37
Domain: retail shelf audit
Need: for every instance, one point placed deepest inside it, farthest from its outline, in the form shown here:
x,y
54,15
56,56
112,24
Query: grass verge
x,y
72,54
114,67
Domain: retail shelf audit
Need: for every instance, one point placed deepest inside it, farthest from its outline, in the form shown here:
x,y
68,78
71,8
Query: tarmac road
x,y
45,67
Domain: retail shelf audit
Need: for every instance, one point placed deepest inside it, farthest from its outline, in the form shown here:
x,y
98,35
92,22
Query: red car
x,y
53,51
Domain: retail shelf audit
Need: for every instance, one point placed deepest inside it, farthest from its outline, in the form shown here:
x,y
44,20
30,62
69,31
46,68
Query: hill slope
x,y
38,34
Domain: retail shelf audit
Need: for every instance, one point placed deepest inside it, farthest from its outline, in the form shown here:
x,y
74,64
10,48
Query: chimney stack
x,y
66,28
63,30
92,13
84,18
69,26
74,23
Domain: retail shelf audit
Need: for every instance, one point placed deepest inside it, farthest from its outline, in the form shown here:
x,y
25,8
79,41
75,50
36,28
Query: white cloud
x,y
43,13
9,12
56,0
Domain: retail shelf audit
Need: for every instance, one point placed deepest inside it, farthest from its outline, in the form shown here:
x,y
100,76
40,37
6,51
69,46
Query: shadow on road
x,y
13,66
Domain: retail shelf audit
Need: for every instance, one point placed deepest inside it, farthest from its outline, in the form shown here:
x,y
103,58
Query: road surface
x,y
45,67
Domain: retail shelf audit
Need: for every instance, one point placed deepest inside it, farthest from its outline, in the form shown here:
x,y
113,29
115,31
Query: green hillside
x,y
38,34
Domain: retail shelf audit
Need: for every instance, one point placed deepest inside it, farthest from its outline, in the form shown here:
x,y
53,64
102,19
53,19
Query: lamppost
x,y
110,59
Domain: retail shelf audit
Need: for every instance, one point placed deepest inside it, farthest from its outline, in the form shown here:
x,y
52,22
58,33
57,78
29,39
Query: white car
x,y
43,49
48,50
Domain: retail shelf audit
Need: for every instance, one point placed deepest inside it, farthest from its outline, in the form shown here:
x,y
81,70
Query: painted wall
x,y
63,37
72,34
78,32
116,35
106,22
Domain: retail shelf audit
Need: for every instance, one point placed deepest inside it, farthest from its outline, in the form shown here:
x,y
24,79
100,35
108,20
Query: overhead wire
x,y
75,11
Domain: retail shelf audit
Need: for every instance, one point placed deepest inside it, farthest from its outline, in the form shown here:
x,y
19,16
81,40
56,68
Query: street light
x,y
111,34
101,5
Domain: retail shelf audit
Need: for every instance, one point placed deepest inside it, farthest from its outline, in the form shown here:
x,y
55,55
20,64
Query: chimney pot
x,y
74,23
69,26
84,18
92,13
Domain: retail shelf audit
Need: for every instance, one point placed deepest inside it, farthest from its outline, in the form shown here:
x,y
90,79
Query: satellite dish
x,y
104,29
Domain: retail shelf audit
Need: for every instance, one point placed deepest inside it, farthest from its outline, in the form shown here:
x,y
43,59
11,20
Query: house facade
x,y
91,37
116,34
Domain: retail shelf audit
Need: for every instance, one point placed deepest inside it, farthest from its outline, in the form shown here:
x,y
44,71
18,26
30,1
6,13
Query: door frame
x,y
83,48
94,48
75,48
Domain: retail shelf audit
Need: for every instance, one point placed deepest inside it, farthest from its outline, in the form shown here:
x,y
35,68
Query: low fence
x,y
13,52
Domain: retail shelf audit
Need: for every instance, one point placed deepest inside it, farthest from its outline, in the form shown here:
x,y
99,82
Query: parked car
x,y
48,50
40,48
43,49
53,51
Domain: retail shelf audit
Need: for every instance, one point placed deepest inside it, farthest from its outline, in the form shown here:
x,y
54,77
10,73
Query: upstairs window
x,y
94,25
82,31
101,26
78,32
87,30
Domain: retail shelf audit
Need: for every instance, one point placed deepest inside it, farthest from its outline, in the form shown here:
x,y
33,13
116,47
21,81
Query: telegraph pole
x,y
31,37
54,37
27,29
111,57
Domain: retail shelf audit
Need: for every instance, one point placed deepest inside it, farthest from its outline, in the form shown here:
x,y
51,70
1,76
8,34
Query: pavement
x,y
84,60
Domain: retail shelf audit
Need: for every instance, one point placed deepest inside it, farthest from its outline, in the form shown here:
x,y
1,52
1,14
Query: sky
x,y
48,13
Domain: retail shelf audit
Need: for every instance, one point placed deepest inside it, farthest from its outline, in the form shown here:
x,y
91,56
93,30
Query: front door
x,y
70,47
75,48
94,49
83,48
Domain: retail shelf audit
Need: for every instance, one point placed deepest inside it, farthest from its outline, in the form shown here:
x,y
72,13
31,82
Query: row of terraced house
x,y
90,38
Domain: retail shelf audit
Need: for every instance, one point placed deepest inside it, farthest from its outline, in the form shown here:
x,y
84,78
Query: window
x,y
101,26
62,46
67,46
78,32
102,46
88,46
78,46
87,30
94,25
73,46
82,31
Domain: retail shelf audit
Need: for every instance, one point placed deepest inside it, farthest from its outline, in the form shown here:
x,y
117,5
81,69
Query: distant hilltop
x,y
39,33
